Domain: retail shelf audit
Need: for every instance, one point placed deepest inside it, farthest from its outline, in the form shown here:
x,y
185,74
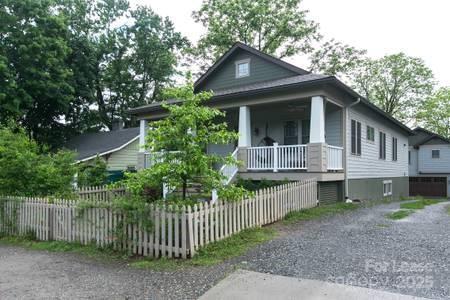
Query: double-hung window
x,y
370,134
394,149
356,137
382,145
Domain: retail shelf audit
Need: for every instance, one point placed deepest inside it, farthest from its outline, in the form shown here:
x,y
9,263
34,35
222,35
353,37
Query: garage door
x,y
428,186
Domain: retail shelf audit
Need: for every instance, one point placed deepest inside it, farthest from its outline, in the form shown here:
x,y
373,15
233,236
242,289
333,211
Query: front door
x,y
291,133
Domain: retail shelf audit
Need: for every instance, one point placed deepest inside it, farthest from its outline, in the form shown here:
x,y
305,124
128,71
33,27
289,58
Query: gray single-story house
x,y
119,148
429,164
294,124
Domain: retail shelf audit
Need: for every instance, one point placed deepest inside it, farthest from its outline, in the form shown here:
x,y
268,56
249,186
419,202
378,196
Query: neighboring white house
x,y
295,125
429,164
119,148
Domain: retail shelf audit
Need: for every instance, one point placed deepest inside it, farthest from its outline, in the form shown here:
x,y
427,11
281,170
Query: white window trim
x,y
439,151
237,63
387,192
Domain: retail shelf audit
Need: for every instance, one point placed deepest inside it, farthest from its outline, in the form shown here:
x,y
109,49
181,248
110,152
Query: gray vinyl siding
x,y
333,124
124,158
414,166
260,70
427,164
372,188
368,165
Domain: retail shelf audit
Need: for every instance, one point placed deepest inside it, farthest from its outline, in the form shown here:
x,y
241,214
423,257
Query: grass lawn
x,y
399,214
419,204
211,254
214,253
318,212
408,208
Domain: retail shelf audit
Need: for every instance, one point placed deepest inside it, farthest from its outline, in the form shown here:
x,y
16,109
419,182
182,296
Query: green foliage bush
x,y
254,185
27,170
92,173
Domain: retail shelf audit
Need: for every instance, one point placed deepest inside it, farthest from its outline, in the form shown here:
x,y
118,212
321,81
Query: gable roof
x,y
303,79
89,145
423,136
239,45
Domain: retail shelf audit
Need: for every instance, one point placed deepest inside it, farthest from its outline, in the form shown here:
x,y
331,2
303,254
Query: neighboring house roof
x,y
89,145
302,79
422,136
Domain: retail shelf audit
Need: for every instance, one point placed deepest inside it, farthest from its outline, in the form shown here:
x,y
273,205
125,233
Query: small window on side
x,y
370,134
387,188
436,153
242,68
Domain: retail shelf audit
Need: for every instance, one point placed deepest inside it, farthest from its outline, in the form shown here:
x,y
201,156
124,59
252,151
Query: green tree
x,y
279,28
335,58
181,140
27,171
397,83
117,65
35,79
434,113
92,173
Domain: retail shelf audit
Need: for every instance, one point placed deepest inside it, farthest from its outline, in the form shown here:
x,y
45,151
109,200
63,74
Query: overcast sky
x,y
417,27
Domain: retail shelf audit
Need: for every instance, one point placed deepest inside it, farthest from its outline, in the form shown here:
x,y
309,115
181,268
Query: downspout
x,y
345,146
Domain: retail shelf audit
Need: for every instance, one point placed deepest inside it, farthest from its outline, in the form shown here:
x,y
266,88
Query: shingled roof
x,y
89,145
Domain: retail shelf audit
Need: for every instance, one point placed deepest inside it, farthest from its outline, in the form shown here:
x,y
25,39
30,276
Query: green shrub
x,y
92,173
28,169
254,185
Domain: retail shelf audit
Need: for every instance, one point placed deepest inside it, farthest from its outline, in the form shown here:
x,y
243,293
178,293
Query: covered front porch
x,y
302,135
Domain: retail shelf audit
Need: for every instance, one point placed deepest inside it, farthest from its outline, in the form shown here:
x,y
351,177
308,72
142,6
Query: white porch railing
x,y
286,157
229,171
334,157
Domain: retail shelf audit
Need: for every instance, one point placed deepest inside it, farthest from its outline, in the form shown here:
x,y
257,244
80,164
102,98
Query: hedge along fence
x,y
175,231
100,193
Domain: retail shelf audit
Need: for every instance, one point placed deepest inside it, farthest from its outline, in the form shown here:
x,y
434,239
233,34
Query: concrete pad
x,y
252,285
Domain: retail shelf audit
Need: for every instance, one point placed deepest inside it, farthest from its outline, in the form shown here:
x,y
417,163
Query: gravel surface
x,y
363,248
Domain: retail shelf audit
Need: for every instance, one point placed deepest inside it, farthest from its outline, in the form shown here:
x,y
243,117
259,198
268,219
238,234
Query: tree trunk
x,y
184,188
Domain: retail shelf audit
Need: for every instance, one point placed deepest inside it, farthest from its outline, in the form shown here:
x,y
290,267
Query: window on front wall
x,y
409,157
435,153
394,149
370,133
242,68
356,137
382,146
387,187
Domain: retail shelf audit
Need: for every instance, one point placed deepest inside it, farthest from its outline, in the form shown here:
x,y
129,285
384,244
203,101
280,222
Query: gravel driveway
x,y
410,256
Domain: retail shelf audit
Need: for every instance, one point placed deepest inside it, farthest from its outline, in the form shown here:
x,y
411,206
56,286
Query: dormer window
x,y
242,68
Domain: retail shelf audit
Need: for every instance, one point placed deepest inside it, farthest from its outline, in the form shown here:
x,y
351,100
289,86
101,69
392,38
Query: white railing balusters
x,y
335,157
276,157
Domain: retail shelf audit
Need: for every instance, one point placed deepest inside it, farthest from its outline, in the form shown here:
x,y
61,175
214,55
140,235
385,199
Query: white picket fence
x,y
175,231
99,193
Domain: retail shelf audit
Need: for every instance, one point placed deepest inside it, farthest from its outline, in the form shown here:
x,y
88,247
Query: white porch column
x,y
317,126
245,130
142,134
